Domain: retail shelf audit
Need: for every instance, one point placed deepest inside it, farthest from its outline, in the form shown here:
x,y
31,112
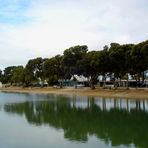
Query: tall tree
x,y
72,59
8,72
53,70
17,75
120,60
91,67
116,59
33,70
104,63
139,55
1,76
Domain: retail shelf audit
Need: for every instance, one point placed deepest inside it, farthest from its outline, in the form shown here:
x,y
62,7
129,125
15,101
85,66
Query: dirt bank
x,y
124,93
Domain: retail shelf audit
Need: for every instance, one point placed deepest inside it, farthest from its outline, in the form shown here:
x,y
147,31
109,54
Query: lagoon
x,y
39,120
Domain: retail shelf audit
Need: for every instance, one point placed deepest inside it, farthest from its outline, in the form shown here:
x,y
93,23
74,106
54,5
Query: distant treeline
x,y
118,60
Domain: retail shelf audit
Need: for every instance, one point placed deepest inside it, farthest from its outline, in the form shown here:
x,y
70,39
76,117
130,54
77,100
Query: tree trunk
x,y
127,86
104,81
142,77
120,82
115,83
92,86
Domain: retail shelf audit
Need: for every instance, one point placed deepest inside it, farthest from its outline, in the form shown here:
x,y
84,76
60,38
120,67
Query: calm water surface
x,y
53,121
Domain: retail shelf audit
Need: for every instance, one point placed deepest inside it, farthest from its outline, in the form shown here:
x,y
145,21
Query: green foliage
x,y
139,56
116,59
53,80
35,66
17,75
33,70
120,59
53,68
8,73
1,75
73,59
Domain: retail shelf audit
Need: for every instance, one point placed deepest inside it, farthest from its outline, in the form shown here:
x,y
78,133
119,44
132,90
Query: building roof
x,y
80,78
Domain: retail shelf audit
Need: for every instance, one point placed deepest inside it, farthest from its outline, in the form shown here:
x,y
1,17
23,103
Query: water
x,y
44,121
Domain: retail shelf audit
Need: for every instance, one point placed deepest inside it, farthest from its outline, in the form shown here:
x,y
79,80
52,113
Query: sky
x,y
45,28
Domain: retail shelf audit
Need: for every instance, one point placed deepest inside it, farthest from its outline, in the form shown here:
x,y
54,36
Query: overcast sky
x,y
44,28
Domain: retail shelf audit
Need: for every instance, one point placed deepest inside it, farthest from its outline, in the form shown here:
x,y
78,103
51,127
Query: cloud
x,y
29,29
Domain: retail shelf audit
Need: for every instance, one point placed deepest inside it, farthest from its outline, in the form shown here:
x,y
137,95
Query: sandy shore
x,y
131,93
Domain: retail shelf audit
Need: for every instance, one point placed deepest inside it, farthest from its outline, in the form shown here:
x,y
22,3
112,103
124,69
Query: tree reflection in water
x,y
123,122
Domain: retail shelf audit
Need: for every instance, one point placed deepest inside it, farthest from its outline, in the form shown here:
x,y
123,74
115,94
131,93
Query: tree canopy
x,y
116,59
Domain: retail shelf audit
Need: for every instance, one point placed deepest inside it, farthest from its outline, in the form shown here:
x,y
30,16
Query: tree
x,y
116,58
139,55
120,60
33,70
17,75
72,59
91,67
8,72
53,70
104,64
1,75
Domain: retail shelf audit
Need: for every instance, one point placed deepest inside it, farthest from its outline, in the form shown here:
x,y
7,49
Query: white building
x,y
80,78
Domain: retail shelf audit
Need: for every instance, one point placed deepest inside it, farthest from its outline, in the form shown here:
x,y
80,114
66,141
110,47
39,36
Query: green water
x,y
52,121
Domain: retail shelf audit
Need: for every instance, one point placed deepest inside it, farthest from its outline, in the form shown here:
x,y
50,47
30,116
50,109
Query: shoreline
x,y
98,92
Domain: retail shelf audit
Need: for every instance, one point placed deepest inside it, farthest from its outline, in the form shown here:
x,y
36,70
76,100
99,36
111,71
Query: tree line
x,y
115,61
